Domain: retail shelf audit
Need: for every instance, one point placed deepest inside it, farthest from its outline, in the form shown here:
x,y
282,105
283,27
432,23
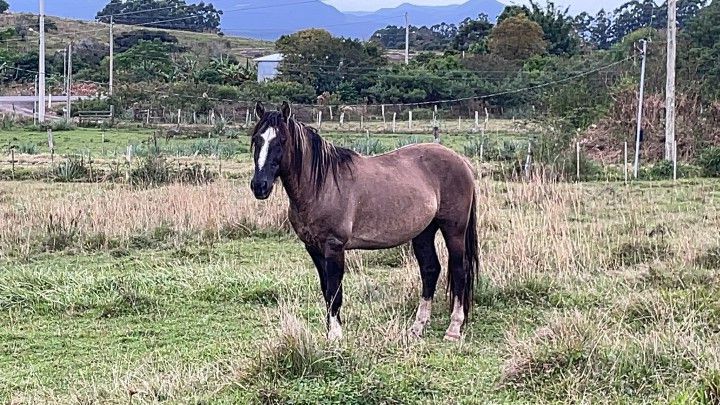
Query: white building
x,y
267,66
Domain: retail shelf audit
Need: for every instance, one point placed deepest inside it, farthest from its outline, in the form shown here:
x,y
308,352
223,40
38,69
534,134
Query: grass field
x,y
593,292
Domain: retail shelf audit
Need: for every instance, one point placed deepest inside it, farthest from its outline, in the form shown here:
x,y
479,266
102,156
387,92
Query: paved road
x,y
23,105
31,99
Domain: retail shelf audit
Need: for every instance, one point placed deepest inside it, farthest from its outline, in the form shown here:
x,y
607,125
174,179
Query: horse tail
x,y
472,258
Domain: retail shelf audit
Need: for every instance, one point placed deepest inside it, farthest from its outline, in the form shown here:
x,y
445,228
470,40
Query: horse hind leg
x,y
457,279
426,255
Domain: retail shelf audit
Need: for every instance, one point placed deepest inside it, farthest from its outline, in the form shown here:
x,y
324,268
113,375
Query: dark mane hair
x,y
325,158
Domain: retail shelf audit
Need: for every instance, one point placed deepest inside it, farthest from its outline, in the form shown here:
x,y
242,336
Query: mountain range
x,y
269,19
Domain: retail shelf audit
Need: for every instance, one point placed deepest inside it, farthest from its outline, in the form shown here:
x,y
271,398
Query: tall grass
x,y
588,293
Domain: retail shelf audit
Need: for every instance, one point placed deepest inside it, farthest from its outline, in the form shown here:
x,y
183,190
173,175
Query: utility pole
x,y
64,69
640,109
670,83
41,64
407,39
112,56
68,103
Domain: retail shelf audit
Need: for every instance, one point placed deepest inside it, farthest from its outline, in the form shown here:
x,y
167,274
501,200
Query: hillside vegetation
x,y
197,43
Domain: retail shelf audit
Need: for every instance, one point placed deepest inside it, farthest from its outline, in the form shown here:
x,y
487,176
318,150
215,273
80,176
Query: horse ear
x,y
286,111
259,110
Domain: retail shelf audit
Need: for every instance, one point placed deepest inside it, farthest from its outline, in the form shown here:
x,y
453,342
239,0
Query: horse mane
x,y
325,158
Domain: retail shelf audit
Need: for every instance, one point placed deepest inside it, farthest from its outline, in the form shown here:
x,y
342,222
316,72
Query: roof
x,y
276,57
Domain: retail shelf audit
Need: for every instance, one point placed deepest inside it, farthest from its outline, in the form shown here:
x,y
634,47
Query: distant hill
x,y
269,19
199,44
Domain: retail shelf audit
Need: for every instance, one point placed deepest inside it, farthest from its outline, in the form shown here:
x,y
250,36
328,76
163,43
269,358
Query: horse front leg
x,y
334,270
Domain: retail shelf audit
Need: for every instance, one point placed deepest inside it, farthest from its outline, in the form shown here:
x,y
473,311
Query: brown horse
x,y
340,200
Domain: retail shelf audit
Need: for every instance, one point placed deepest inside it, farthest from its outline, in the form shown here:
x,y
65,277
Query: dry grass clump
x,y
576,356
47,218
710,259
563,346
295,352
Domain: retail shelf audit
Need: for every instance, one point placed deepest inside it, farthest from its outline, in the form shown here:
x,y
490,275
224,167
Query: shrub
x,y
709,162
152,170
72,169
565,167
368,146
663,170
27,148
409,140
493,150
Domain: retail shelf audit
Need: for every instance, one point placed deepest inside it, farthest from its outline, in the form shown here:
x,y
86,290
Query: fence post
x,y
394,118
459,123
147,117
331,113
487,121
342,118
625,168
477,120
382,109
674,160
362,122
577,160
528,160
179,115
319,119
410,120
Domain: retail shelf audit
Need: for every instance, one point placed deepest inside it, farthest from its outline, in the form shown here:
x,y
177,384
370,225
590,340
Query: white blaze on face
x,y
267,136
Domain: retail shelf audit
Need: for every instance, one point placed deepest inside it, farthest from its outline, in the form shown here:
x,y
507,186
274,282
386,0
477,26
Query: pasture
x,y
590,292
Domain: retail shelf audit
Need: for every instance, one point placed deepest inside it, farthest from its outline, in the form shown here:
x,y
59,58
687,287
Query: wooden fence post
x,y
577,159
410,120
625,167
394,119
12,162
382,108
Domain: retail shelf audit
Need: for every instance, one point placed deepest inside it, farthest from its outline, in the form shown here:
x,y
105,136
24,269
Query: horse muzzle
x,y
261,188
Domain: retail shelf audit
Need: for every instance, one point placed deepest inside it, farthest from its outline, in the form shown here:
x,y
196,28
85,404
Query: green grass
x,y
90,140
588,293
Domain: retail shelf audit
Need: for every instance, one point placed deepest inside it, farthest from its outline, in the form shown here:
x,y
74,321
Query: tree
x,y
4,6
596,30
517,38
472,34
148,60
435,38
168,14
126,40
703,58
316,58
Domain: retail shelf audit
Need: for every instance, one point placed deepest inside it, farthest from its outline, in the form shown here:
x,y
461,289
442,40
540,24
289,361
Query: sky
x,y
576,6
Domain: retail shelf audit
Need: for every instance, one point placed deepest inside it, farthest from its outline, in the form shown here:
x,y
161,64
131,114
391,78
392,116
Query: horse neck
x,y
298,187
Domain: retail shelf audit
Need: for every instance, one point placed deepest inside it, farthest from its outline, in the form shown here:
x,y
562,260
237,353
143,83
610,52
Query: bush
x,y
72,169
410,140
565,167
663,170
709,162
368,146
494,150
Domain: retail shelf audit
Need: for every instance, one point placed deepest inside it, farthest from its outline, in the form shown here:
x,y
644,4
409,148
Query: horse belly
x,y
392,221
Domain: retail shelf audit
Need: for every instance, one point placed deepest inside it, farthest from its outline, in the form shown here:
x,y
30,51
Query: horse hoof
x,y
416,331
452,337
334,335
